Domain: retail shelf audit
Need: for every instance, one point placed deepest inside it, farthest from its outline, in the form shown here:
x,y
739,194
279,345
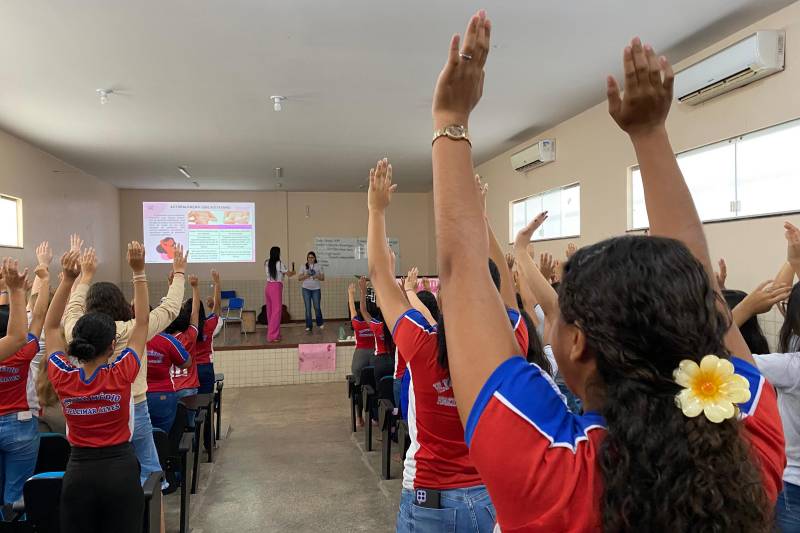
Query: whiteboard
x,y
347,256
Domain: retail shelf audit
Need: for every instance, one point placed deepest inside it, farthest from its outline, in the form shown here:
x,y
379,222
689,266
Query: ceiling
x,y
193,78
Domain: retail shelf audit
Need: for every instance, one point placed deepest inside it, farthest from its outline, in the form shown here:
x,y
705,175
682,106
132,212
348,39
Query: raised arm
x,y
42,300
410,286
641,112
163,315
792,234
496,254
141,299
529,274
393,303
70,269
3,290
44,256
479,335
351,300
217,291
76,307
194,317
17,330
362,288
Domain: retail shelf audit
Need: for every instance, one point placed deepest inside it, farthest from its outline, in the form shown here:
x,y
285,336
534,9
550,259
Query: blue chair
x,y
232,314
225,296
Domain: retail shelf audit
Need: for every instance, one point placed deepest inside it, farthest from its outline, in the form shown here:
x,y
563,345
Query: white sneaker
x,y
308,330
322,326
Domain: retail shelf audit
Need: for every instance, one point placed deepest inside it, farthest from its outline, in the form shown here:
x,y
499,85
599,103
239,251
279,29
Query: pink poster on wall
x,y
317,357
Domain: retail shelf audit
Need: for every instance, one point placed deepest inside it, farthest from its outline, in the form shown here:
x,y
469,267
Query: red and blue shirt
x,y
17,382
164,351
187,378
365,339
99,408
204,350
520,329
376,326
539,461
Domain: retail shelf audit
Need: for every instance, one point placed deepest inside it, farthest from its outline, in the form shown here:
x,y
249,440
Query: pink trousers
x,y
273,294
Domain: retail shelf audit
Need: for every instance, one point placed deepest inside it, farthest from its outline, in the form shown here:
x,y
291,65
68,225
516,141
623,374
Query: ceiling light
x,y
104,94
277,102
185,172
277,172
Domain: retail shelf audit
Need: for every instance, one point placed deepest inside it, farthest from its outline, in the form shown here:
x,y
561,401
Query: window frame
x,y
730,140
20,230
511,204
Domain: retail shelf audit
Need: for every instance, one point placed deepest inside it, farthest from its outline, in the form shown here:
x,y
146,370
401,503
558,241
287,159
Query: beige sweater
x,y
160,317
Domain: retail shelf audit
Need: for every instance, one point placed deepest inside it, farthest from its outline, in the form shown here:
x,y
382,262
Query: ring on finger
x,y
465,57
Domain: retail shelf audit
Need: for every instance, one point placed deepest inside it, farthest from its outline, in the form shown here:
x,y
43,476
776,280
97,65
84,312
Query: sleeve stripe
x,y
515,318
126,352
60,363
553,444
32,338
756,381
416,318
177,345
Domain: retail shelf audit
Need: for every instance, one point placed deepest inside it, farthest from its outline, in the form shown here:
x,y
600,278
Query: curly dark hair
x,y
105,297
644,304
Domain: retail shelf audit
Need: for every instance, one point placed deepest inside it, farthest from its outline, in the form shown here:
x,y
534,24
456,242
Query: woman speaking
x,y
273,292
311,275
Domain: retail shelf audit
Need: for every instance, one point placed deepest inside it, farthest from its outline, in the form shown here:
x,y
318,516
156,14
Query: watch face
x,y
454,131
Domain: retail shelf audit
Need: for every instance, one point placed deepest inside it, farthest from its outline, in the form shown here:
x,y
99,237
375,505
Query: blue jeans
x,y
190,415
787,510
162,407
19,446
205,373
462,510
143,443
314,296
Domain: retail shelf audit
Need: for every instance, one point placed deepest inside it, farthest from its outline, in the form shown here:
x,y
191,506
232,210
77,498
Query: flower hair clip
x,y
711,388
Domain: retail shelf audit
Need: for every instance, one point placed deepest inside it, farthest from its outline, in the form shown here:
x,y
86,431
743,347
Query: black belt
x,y
428,498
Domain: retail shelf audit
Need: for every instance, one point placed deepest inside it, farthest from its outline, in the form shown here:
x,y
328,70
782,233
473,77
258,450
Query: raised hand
x,y
71,265
215,277
526,234
88,262
351,290
510,260
792,235
381,187
571,249
75,243
411,280
362,284
180,259
765,296
483,188
426,284
11,275
44,255
722,274
547,266
648,90
193,280
460,83
136,257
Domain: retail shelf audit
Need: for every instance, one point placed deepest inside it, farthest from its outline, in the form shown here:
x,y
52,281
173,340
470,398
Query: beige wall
x,y
281,220
592,150
57,200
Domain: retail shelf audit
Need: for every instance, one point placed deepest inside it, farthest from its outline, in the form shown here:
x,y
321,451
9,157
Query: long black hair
x,y
105,297
535,353
644,304
787,338
184,319
272,262
316,261
92,336
751,329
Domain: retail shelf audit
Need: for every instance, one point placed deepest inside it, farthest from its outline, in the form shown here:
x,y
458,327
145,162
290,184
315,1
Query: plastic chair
x,y
54,450
387,423
232,314
42,497
219,381
368,390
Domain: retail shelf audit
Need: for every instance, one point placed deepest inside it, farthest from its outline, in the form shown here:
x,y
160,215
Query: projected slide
x,y
213,232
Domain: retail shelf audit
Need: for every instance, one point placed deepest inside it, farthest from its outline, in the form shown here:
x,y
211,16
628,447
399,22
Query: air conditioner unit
x,y
751,59
541,153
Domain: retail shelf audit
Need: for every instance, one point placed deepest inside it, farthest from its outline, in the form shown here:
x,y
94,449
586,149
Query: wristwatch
x,y
455,132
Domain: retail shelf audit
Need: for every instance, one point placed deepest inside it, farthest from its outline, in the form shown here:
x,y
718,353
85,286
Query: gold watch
x,y
455,132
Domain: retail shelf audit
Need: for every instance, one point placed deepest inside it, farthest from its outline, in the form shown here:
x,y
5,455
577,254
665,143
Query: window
x,y
753,175
563,205
10,221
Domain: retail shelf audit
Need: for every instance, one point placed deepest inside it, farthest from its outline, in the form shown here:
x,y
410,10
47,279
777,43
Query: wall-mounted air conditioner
x,y
751,59
541,153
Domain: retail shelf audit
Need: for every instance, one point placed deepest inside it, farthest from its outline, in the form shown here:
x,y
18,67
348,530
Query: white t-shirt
x,y
783,371
540,319
280,270
312,284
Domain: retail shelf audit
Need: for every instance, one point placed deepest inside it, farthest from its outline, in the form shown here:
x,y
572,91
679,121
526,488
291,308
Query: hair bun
x,y
82,349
